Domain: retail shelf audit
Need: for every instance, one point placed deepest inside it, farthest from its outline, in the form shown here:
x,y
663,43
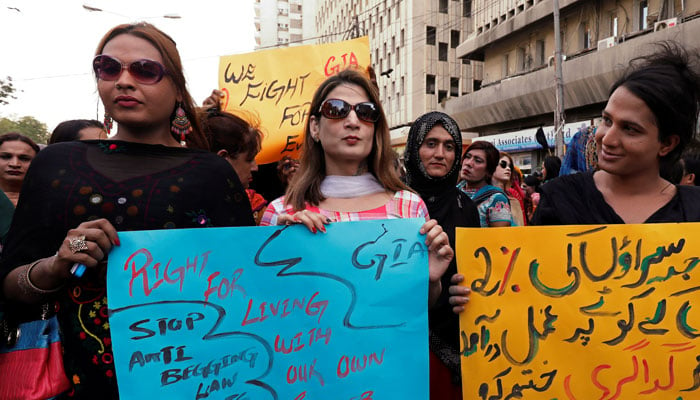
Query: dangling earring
x,y
181,124
108,122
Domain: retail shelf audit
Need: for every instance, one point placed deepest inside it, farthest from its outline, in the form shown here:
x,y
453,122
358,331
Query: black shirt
x,y
575,200
136,187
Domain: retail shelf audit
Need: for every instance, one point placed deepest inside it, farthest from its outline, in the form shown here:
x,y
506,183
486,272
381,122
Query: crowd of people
x,y
89,184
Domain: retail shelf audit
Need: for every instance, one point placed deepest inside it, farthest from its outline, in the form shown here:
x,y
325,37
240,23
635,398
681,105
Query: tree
x,y
28,126
6,90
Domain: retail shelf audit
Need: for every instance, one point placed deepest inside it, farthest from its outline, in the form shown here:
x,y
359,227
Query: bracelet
x,y
29,288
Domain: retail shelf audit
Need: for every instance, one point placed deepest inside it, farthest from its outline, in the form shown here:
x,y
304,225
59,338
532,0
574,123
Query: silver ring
x,y
77,244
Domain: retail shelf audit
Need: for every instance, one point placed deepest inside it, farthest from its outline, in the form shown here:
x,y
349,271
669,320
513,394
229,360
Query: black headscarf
x,y
437,193
451,208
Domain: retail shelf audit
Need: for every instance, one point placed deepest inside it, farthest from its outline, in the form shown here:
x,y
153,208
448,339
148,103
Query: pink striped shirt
x,y
404,204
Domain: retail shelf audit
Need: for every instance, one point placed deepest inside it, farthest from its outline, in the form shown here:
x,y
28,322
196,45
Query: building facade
x,y
284,23
413,51
515,41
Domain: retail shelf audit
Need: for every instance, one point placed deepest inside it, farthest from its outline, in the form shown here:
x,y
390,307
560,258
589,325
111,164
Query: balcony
x,y
528,99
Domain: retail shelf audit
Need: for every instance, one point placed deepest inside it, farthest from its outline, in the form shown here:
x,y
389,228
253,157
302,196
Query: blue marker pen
x,y
78,270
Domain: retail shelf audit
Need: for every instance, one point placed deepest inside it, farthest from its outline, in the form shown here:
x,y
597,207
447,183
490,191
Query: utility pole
x,y
559,90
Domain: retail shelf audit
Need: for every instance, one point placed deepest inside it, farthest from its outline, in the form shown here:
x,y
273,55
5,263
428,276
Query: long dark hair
x,y
227,131
68,131
306,186
552,165
668,82
171,60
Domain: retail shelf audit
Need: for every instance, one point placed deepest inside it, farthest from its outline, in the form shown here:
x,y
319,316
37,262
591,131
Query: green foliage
x,y
6,90
28,126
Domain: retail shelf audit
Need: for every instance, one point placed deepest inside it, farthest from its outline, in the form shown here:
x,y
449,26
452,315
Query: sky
x,y
47,47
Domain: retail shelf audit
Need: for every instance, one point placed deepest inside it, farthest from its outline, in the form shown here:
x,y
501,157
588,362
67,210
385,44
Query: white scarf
x,y
346,187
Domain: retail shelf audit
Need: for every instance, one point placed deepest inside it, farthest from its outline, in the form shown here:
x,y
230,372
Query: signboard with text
x,y
581,312
277,85
524,140
271,312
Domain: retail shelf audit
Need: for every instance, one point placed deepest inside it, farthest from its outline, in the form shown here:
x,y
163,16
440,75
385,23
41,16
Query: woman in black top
x,y
433,159
649,119
77,195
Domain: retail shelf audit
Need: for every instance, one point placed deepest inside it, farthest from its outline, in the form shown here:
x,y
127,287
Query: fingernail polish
x,y
313,229
117,242
323,229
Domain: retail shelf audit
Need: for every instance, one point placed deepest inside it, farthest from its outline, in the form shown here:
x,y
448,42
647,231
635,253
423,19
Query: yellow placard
x,y
276,86
581,312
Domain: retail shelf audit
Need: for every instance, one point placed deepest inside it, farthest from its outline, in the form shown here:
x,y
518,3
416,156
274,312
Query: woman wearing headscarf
x,y
432,161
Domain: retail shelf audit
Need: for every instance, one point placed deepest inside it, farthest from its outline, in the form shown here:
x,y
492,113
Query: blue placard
x,y
271,312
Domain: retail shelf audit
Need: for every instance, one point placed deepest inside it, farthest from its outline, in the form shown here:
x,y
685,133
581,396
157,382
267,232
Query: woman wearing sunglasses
x,y
507,178
78,195
346,171
432,160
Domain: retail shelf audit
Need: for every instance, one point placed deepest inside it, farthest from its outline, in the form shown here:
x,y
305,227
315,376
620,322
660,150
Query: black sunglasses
x,y
504,164
144,71
337,109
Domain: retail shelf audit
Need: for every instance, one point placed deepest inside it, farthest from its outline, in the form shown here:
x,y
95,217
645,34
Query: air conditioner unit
x,y
550,60
667,23
607,43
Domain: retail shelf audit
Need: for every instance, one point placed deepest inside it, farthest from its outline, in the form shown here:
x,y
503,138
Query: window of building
x,y
454,39
520,59
374,32
467,8
643,14
397,56
388,104
398,11
381,22
393,86
393,42
454,87
401,41
430,84
477,85
585,35
442,7
402,87
539,52
442,51
613,24
442,95
430,35
388,16
388,60
505,67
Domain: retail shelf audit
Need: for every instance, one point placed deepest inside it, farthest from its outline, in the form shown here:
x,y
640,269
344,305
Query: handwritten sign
x,y
271,312
277,85
581,312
